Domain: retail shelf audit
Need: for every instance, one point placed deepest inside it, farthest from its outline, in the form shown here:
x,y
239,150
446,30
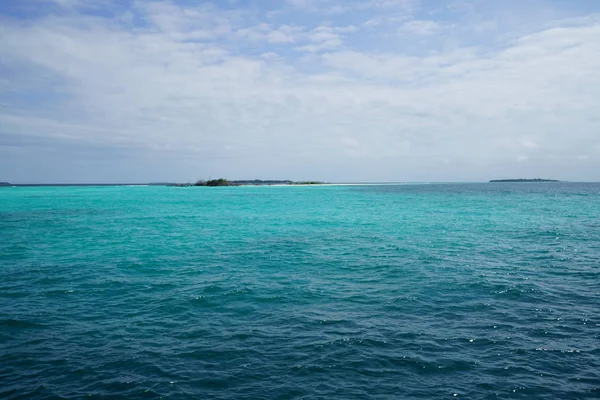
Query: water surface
x,y
475,291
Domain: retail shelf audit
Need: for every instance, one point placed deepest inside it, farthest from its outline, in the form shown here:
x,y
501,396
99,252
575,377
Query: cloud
x,y
77,4
326,38
422,27
225,92
318,38
279,35
341,7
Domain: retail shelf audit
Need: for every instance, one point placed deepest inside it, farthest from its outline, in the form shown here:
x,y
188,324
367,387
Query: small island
x,y
523,180
5,184
256,182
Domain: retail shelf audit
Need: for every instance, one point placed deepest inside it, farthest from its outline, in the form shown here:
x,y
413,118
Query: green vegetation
x,y
255,182
215,182
307,183
259,182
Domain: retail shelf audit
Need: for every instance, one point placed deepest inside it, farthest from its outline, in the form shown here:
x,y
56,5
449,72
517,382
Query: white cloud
x,y
422,27
186,84
340,7
310,5
321,46
77,4
200,23
325,38
279,35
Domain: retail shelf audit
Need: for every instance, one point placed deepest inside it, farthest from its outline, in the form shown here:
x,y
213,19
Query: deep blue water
x,y
473,291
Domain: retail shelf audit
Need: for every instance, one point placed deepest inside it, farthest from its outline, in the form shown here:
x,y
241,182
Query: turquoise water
x,y
474,291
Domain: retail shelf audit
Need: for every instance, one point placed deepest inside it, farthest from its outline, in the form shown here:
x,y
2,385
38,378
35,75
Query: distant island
x,y
524,180
209,182
255,182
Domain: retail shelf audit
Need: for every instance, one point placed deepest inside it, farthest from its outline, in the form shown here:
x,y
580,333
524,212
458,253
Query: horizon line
x,y
24,184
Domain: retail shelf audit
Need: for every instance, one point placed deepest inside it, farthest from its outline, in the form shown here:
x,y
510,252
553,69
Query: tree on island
x,y
214,182
255,182
218,182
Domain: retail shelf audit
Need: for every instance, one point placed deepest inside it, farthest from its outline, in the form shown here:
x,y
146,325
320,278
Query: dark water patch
x,y
19,324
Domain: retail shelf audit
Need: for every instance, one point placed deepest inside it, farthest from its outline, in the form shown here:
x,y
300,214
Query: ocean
x,y
440,291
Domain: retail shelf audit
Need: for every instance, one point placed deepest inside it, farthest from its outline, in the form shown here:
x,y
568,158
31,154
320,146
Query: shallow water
x,y
475,291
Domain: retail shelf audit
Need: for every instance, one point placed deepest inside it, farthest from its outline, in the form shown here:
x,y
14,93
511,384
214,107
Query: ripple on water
x,y
431,291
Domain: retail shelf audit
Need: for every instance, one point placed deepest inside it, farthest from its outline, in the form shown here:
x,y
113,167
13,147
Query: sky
x,y
121,91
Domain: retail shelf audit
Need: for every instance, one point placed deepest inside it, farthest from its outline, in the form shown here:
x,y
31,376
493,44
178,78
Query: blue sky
x,y
364,90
